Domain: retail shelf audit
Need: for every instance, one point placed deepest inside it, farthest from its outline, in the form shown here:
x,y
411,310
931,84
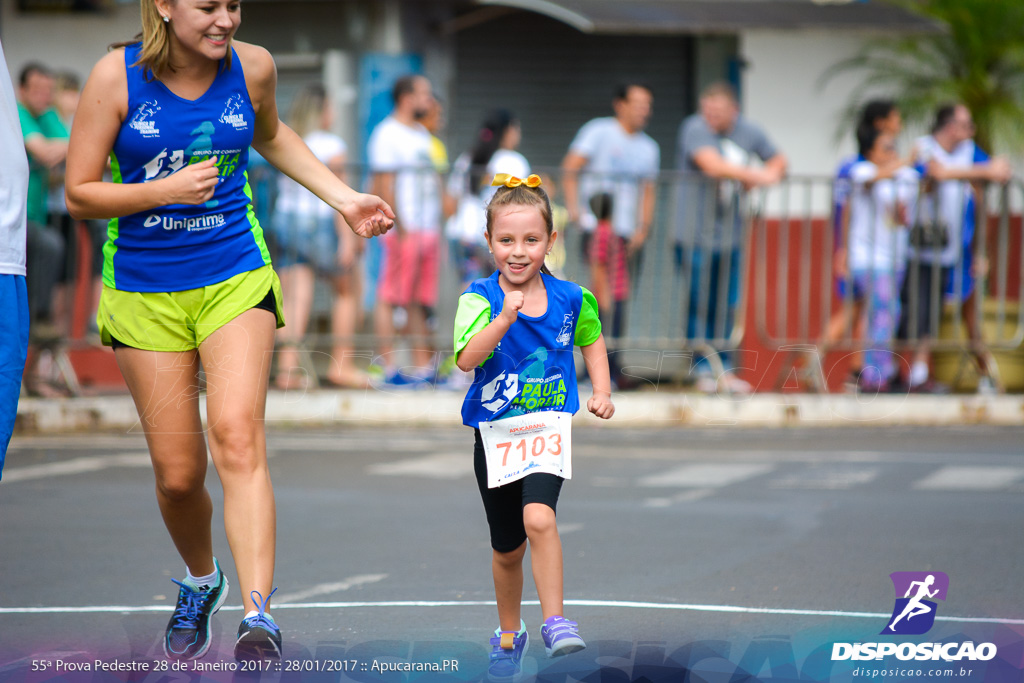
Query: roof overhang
x,y
720,16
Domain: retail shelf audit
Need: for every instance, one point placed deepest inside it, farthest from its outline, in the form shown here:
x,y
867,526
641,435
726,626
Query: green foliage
x,y
975,56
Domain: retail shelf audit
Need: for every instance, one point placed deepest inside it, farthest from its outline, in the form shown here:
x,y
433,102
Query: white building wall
x,y
781,92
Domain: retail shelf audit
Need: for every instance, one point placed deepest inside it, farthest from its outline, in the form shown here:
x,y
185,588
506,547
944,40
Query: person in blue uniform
x,y
518,328
187,279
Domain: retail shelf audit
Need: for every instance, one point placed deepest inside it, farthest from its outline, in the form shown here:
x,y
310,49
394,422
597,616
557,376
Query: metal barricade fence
x,y
714,249
661,319
804,306
721,269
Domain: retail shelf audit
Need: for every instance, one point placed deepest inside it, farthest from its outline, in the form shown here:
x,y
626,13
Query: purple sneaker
x,y
561,636
506,659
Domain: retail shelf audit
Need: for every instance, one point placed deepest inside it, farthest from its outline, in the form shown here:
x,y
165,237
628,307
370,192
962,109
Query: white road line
x,y
437,466
971,479
830,478
622,604
328,588
75,466
706,475
94,442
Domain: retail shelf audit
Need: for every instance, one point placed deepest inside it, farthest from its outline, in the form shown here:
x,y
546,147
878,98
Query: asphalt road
x,y
697,555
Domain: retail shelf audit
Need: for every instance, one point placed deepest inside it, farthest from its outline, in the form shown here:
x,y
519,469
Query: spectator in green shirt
x,y
46,142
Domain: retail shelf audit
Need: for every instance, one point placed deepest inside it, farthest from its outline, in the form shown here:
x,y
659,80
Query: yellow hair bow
x,y
509,180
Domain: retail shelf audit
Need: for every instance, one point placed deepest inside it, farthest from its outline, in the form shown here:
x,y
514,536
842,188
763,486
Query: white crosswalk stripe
x,y
828,478
688,496
75,466
706,475
978,478
437,466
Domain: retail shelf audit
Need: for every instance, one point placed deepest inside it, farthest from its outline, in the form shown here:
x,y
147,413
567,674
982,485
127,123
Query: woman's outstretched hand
x,y
368,215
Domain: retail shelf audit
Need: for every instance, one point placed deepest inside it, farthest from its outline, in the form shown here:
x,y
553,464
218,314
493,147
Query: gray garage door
x,y
556,78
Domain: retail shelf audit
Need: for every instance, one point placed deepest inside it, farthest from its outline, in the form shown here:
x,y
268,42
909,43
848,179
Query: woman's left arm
x,y
366,214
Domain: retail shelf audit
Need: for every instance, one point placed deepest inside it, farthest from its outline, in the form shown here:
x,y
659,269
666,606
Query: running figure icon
x,y
915,607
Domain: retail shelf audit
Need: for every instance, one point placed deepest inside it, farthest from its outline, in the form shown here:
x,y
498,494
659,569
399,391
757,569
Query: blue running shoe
x,y
561,636
258,636
412,379
188,631
506,660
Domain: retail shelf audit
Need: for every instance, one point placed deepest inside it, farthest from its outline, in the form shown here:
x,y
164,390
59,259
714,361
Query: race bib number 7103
x,y
524,444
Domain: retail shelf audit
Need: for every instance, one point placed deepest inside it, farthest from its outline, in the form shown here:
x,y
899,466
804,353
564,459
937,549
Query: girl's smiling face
x,y
519,240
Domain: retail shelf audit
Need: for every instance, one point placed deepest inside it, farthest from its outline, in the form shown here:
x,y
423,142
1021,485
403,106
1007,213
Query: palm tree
x,y
974,55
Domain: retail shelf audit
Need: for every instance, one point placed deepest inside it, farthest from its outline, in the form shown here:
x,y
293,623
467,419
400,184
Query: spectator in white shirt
x,y
399,155
613,155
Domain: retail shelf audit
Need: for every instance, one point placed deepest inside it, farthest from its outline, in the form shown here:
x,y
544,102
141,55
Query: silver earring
x,y
166,19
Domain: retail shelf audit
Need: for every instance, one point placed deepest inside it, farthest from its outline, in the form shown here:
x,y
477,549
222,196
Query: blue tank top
x,y
178,247
533,367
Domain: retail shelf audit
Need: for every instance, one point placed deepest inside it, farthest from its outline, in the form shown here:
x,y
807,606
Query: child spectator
x,y
883,190
609,273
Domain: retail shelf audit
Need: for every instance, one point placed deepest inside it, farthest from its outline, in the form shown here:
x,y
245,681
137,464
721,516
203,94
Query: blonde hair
x,y
155,55
521,195
306,109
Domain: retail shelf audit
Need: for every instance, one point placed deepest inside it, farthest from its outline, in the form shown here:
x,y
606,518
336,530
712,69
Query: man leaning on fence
x,y
613,155
716,154
943,259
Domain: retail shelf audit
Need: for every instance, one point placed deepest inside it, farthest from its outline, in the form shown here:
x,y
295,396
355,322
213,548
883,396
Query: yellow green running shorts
x,y
181,321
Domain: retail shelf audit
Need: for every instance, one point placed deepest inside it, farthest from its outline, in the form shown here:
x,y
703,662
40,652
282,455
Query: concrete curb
x,y
322,408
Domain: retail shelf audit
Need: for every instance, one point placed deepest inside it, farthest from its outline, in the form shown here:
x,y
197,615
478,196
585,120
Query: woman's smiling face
x,y
203,26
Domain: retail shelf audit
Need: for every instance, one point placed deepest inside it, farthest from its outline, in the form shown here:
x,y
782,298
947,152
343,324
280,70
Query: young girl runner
x,y
519,327
187,279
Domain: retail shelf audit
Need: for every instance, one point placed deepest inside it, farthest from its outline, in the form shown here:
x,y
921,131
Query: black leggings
x,y
504,505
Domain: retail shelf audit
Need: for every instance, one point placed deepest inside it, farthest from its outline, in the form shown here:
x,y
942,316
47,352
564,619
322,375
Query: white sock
x,y
197,581
918,373
253,613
